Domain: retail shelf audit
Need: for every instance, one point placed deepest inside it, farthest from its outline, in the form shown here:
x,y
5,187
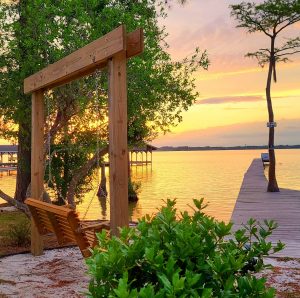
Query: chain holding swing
x,y
50,185
97,105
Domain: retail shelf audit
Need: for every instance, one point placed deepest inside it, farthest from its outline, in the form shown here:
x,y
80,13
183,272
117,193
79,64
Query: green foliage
x,y
270,17
35,33
263,16
19,233
185,256
64,163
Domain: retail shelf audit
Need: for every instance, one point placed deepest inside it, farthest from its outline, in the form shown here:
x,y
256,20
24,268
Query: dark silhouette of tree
x,y
271,17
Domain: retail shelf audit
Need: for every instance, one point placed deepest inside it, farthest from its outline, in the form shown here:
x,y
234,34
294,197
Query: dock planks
x,y
284,207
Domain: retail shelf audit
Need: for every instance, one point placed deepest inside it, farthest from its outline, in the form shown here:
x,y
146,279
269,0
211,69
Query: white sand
x,y
284,277
62,273
8,209
57,273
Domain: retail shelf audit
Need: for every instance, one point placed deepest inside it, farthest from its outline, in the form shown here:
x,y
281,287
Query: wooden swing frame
x,y
112,51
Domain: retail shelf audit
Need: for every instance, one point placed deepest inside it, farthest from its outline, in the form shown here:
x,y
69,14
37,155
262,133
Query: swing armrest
x,y
95,227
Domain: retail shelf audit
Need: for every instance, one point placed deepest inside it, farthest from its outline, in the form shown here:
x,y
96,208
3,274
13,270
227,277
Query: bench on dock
x,y
265,157
65,224
8,169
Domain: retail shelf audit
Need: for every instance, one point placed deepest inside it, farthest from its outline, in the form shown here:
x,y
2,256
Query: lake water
x,y
213,175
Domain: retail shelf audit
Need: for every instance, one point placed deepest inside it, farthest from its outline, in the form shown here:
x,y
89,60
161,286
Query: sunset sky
x,y
231,109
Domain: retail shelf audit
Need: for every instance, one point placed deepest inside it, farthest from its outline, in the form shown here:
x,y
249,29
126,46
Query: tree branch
x,y
293,21
81,173
265,50
22,207
289,45
287,54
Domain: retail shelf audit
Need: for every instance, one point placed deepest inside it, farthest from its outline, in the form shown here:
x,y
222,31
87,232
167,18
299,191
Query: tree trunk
x,y
272,184
24,160
24,117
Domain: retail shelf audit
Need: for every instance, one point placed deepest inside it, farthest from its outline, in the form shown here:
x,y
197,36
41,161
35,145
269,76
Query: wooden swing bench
x,y
65,224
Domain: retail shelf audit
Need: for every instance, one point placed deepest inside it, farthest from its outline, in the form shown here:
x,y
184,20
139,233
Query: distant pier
x,y
141,151
283,207
8,168
8,158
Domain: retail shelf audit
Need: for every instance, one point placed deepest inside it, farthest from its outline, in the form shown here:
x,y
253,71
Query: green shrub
x,y
133,190
193,256
19,233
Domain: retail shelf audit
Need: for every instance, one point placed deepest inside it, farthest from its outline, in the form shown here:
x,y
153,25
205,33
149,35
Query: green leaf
x,y
165,282
177,282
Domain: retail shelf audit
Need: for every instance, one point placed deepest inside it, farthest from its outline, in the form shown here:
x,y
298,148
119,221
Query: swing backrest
x,y
61,221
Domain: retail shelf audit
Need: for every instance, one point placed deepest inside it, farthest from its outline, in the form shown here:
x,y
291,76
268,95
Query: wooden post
x,y
37,163
118,148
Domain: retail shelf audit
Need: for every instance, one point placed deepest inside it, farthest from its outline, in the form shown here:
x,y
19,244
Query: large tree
x,y
272,18
35,33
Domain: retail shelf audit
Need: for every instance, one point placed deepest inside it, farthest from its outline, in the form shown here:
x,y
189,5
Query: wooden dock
x,y
135,163
140,163
284,207
8,167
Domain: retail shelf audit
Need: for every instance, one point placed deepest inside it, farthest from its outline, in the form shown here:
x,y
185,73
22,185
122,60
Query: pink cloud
x,y
255,133
230,99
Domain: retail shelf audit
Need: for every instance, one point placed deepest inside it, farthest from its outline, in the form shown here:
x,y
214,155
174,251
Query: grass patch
x,y
10,218
14,231
19,234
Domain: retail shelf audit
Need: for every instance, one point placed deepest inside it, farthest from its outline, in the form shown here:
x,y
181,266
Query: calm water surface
x,y
213,175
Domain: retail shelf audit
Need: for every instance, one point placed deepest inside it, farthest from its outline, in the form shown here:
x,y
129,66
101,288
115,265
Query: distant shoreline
x,y
211,148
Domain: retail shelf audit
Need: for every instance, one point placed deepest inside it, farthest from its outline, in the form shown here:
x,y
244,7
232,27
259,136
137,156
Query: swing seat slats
x,y
65,224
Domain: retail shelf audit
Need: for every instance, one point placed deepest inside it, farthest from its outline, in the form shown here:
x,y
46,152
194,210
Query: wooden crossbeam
x,y
86,60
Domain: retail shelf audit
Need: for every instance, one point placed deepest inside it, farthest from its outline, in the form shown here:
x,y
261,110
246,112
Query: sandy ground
x,y
62,273
57,273
8,209
284,277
